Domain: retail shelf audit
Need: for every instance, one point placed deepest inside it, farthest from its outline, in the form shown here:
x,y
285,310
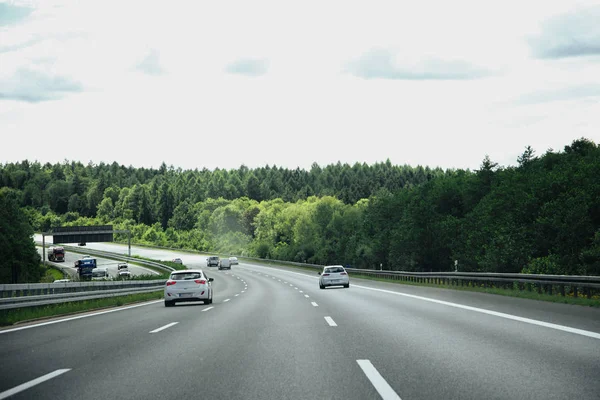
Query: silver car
x,y
188,285
334,275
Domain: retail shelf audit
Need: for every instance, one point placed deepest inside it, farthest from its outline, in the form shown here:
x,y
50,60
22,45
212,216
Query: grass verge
x,y
27,314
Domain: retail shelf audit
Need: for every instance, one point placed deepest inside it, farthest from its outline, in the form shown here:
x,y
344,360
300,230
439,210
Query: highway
x,y
111,265
271,333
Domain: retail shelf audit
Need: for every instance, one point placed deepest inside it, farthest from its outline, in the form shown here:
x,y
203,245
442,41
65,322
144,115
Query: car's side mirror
x,y
211,279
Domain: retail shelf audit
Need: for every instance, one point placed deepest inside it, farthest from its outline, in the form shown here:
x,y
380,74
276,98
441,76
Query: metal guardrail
x,y
35,294
557,284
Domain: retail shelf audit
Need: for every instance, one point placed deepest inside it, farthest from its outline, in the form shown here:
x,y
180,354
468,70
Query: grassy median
x,y
27,314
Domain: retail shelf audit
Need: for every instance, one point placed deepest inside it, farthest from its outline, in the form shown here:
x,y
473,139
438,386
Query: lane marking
x,y
307,296
296,288
563,328
164,327
78,317
291,285
32,383
330,321
383,388
226,300
581,332
243,291
314,304
237,294
301,291
494,313
209,308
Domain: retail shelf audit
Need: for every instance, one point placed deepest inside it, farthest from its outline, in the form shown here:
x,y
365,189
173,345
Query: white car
x,y
124,273
188,285
177,261
334,275
233,261
100,274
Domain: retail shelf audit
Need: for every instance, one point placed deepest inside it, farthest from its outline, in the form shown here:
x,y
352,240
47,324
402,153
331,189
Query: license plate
x,y
185,295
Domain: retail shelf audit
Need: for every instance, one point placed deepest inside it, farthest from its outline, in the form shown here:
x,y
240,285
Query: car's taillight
x,y
169,283
342,273
325,274
200,281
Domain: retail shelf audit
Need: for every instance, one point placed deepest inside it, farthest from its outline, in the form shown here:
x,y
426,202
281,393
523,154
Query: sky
x,y
221,84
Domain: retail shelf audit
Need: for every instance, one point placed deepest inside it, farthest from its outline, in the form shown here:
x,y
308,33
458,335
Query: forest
x,y
540,216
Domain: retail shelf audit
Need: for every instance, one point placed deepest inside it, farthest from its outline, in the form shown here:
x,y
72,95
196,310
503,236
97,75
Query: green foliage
x,y
19,259
542,215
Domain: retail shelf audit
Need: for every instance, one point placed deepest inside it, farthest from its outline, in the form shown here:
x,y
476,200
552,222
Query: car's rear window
x,y
186,276
334,269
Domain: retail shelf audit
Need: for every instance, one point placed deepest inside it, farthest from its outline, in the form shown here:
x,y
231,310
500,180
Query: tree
x,y
19,259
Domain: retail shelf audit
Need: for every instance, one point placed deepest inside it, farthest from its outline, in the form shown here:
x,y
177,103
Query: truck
x,y
85,267
56,254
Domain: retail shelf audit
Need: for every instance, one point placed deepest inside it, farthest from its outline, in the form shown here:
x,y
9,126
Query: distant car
x,y
124,274
121,266
188,285
334,275
100,274
224,264
177,261
82,244
233,260
212,261
61,280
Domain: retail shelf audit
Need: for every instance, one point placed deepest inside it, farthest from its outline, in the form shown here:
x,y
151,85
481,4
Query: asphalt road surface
x,y
273,334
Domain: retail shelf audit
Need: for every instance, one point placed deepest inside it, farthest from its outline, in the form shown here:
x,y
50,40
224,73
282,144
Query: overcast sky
x,y
218,84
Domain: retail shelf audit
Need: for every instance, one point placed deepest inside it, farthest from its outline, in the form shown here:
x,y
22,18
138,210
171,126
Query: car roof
x,y
187,271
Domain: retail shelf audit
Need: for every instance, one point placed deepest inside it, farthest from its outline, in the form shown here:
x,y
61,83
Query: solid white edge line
x,y
314,304
383,388
162,328
330,321
206,309
563,328
494,313
78,317
32,383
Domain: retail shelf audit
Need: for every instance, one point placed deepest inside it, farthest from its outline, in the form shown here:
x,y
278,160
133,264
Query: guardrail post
x,y
562,290
575,291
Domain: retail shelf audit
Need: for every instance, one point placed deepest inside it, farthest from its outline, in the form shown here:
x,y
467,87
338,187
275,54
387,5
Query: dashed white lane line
x,y
383,388
32,383
307,296
206,309
314,304
243,291
237,295
301,291
296,288
162,328
226,300
330,321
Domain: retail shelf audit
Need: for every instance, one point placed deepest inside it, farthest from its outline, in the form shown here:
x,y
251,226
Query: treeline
x,y
542,216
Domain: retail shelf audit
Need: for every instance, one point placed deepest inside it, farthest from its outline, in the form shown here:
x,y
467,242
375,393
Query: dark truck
x,y
56,254
85,268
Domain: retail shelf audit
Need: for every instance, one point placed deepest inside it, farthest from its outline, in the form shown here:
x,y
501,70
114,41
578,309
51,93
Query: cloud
x,y
579,92
34,86
381,64
151,64
249,67
12,14
573,34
